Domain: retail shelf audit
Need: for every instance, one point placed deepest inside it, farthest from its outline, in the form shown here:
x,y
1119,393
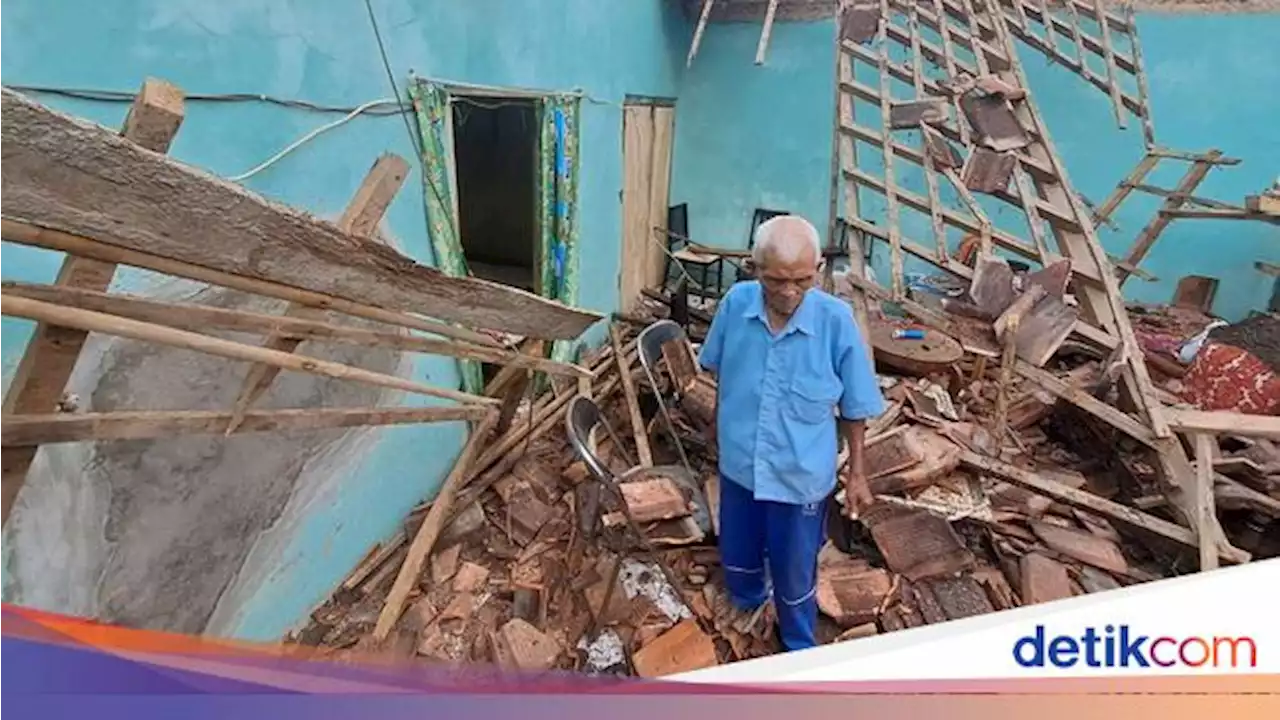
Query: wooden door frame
x,y
653,104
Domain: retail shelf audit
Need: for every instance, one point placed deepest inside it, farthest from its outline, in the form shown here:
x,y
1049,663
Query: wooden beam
x,y
698,31
35,236
360,219
1086,500
197,318
74,176
430,529
1148,235
51,354
148,332
1206,515
1224,423
638,429
29,430
766,31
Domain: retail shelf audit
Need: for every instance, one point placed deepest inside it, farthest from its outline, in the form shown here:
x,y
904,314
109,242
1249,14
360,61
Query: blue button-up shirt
x,y
778,393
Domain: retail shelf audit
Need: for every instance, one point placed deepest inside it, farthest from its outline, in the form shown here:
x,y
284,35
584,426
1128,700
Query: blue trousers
x,y
769,546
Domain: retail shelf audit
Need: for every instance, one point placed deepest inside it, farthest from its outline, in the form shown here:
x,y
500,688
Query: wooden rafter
x,y
196,318
42,374
28,430
89,321
66,174
1041,193
1036,24
766,31
360,220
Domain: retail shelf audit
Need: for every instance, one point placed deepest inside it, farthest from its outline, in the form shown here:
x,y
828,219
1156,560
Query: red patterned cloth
x,y
1224,377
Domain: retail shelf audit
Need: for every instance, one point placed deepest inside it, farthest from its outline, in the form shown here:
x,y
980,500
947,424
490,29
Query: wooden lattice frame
x,y
1042,195
1095,51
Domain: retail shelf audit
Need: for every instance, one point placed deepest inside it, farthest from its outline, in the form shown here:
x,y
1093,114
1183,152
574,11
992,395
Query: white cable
x,y
310,136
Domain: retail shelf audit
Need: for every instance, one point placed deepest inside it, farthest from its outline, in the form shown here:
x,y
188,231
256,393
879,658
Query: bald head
x,y
786,240
786,256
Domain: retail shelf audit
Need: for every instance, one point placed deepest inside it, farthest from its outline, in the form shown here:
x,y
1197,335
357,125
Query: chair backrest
x,y
650,345
581,417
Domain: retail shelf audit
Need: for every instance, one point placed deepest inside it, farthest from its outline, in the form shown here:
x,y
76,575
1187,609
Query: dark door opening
x,y
495,153
495,143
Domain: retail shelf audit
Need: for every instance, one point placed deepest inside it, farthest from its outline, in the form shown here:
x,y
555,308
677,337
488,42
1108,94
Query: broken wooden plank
x,y
430,529
148,332
638,429
25,233
31,430
683,648
1088,501
698,31
766,31
1206,513
1043,580
197,318
51,354
360,220
375,560
1224,423
1083,546
70,175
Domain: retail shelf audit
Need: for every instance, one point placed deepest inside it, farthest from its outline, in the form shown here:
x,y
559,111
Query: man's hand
x,y
857,494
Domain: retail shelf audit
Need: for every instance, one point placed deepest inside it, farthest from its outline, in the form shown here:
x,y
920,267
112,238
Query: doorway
x,y
495,151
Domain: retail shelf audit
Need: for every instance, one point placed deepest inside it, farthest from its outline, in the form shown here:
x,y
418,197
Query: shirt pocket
x,y
812,401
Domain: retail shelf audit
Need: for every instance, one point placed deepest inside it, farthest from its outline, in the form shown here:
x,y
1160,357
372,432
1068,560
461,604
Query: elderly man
x,y
787,356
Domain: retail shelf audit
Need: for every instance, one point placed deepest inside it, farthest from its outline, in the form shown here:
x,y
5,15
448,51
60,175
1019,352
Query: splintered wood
x,y
107,198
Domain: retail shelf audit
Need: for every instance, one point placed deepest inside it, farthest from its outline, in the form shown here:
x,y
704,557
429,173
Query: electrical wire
x,y
123,96
307,138
414,138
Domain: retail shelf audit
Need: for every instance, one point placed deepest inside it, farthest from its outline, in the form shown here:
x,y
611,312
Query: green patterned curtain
x,y
558,205
431,108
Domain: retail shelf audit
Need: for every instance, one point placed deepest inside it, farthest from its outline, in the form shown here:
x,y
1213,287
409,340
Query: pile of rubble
x,y
991,494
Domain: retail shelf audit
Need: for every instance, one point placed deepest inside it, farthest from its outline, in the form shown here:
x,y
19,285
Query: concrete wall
x,y
243,537
751,136
1212,80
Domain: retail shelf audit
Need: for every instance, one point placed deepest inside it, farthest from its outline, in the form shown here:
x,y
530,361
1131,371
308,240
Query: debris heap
x,y
991,494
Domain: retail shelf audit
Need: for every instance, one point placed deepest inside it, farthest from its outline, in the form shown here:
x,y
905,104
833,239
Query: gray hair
x,y
780,236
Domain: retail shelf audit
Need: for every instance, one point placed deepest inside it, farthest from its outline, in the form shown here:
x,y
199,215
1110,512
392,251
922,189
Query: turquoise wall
x,y
1213,81
324,51
750,135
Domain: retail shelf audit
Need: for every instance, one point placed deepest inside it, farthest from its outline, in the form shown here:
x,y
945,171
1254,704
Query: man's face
x,y
785,283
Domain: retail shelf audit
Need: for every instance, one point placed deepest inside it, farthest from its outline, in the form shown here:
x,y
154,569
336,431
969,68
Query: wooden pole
x,y
360,219
643,451
430,529
51,355
25,233
697,33
149,332
189,316
766,32
27,430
